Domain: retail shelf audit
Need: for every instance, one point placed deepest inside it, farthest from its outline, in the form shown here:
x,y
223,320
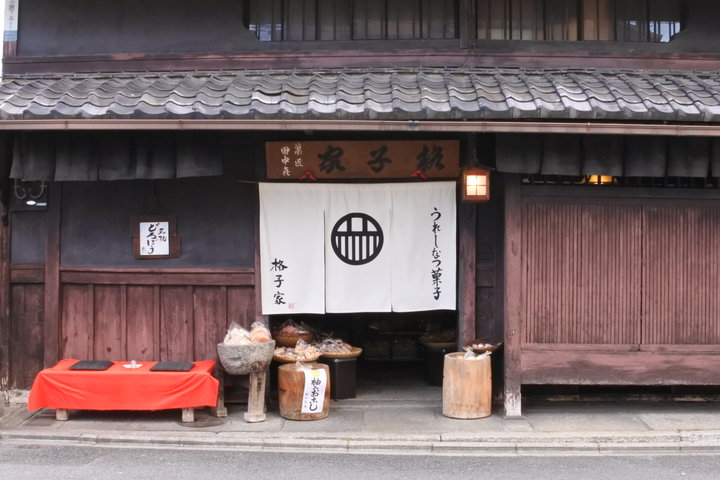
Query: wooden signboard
x,y
380,159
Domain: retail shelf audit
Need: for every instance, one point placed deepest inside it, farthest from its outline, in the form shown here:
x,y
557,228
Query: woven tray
x,y
355,352
288,359
491,348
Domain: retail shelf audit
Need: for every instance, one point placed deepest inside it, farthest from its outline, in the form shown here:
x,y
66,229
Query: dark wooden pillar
x,y
259,167
4,309
258,292
467,271
52,277
513,296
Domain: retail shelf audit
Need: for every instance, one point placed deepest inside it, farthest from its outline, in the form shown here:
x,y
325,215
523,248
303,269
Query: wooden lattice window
x,y
312,20
567,20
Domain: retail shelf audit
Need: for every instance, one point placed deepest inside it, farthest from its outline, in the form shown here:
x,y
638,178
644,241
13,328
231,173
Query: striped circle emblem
x,y
357,238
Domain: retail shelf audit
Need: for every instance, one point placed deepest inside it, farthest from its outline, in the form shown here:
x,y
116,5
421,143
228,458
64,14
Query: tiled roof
x,y
418,94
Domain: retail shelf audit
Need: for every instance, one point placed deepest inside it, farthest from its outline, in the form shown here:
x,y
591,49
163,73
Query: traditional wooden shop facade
x,y
116,111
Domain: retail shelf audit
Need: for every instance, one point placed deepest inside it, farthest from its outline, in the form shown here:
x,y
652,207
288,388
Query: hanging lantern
x,y
475,184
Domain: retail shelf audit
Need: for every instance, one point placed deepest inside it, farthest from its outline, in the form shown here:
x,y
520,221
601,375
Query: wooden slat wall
x,y
682,275
583,266
124,314
610,287
77,333
143,325
615,272
162,322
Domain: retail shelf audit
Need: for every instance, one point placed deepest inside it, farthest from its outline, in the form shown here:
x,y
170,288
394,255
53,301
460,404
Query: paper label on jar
x,y
314,393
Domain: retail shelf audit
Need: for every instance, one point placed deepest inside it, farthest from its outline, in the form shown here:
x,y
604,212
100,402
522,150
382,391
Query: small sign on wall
x,y
154,236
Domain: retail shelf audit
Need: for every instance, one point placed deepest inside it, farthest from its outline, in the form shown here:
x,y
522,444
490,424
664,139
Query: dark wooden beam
x,y
578,367
513,296
136,276
27,275
489,56
498,192
467,256
4,309
139,277
467,272
52,277
260,174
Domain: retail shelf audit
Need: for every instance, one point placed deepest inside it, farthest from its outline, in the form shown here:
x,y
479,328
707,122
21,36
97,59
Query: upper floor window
x,y
614,20
298,20
564,20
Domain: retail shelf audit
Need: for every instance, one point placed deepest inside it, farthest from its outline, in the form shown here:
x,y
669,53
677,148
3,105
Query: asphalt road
x,y
46,462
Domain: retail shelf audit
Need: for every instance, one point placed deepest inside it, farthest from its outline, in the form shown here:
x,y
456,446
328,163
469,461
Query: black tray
x,y
172,366
91,365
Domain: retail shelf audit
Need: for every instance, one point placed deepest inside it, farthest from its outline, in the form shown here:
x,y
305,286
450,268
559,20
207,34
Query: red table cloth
x,y
121,388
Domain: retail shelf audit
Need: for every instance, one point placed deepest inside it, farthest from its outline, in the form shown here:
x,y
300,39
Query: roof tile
x,y
449,93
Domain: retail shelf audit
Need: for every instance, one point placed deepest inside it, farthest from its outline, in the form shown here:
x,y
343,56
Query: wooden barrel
x,y
467,387
291,392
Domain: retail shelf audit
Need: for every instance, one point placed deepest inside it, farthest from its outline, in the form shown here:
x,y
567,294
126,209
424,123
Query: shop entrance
x,y
380,247
402,353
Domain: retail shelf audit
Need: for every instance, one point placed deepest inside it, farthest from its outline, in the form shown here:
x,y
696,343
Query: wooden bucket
x,y
291,389
467,387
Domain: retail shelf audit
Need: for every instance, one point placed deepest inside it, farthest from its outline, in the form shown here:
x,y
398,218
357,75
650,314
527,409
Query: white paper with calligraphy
x,y
357,248
423,247
292,248
154,238
313,399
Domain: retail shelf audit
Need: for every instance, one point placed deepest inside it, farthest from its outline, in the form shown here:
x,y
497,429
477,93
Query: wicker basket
x,y
289,359
491,348
289,340
354,352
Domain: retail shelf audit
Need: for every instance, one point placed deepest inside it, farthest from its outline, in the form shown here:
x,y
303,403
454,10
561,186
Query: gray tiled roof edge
x,y
402,94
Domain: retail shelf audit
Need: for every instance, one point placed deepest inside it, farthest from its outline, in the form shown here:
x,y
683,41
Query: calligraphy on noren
x,y
362,159
278,267
436,256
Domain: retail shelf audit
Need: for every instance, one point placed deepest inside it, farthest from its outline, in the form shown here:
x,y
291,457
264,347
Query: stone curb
x,y
608,444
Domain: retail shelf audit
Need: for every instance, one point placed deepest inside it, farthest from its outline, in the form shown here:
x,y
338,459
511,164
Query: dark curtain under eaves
x,y
87,156
619,156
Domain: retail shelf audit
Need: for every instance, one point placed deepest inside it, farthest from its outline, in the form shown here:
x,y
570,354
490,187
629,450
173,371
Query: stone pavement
x,y
405,421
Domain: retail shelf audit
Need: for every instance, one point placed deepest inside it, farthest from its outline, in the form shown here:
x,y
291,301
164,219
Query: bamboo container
x,y
467,387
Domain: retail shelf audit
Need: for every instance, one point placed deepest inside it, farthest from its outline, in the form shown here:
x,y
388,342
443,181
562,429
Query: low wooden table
x,y
121,388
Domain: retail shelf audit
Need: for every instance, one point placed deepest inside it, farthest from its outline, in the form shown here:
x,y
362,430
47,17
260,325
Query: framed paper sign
x,y
154,236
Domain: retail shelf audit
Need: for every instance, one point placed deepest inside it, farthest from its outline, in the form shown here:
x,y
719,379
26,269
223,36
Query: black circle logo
x,y
357,238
